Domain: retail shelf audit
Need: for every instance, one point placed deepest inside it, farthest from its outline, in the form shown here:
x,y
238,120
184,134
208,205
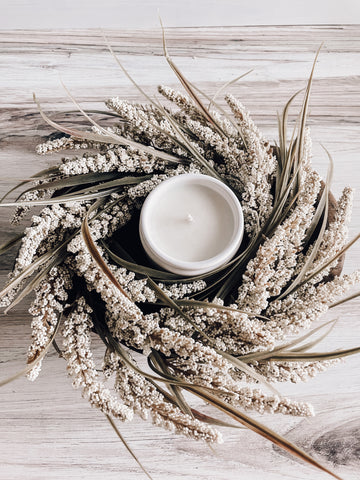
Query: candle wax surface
x,y
191,223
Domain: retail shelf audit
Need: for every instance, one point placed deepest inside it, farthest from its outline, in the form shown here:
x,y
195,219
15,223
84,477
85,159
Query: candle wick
x,y
189,218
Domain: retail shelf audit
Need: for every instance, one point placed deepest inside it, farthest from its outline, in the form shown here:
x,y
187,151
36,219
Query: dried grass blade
x,y
261,430
172,304
120,351
251,357
32,364
119,182
100,112
243,367
40,175
62,199
199,304
112,423
283,215
277,214
203,110
316,218
171,379
196,414
178,396
312,356
281,155
329,262
28,271
346,299
126,73
153,102
47,172
124,140
227,84
225,280
107,136
94,252
187,145
299,280
140,269
284,120
163,276
110,342
289,165
74,180
287,155
318,212
309,345
214,421
7,245
304,110
222,111
55,260
227,284
19,185
73,132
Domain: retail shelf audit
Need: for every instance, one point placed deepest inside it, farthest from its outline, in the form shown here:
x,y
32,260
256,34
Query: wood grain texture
x,y
46,429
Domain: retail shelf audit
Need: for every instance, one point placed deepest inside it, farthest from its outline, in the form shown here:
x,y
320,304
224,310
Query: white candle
x,y
191,224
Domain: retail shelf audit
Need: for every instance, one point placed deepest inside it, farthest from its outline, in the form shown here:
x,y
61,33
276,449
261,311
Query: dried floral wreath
x,y
214,335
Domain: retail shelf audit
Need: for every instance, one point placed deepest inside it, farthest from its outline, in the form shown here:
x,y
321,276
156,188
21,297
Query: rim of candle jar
x,y
188,268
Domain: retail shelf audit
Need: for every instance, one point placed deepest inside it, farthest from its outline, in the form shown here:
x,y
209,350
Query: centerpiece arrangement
x,y
218,334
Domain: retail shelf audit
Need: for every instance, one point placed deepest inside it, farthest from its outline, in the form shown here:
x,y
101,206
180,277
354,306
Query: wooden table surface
x,y
46,430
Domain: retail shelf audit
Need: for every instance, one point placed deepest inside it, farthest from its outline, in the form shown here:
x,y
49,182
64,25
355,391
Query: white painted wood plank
x,y
46,429
122,14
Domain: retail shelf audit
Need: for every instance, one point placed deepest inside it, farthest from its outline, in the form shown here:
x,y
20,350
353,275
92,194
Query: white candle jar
x,y
191,224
